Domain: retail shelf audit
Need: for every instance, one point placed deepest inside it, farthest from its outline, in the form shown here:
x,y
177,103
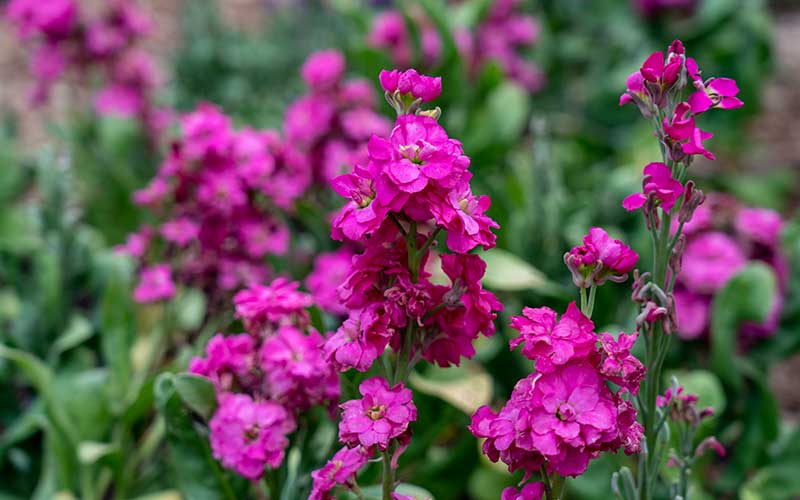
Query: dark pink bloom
x,y
716,93
551,342
339,470
383,414
54,19
152,194
323,69
362,215
531,491
296,373
330,270
464,216
275,303
658,183
230,362
709,261
692,311
761,225
360,340
618,364
247,436
600,258
180,231
389,32
695,144
412,84
155,284
137,243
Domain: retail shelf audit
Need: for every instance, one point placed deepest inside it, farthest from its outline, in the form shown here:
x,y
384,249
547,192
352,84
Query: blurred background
x,y
531,88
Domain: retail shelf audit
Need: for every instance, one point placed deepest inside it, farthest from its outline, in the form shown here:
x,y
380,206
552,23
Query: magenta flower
x,y
295,370
411,84
531,491
339,470
618,364
155,284
275,303
136,244
709,261
716,93
383,414
695,144
323,69
635,91
692,311
229,359
664,73
360,340
330,270
658,183
362,215
54,19
248,435
551,342
600,258
389,32
464,216
180,231
761,225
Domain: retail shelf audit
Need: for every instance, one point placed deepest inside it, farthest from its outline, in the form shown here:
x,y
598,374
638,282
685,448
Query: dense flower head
x,y
380,416
411,85
65,39
221,194
247,435
658,185
362,337
230,362
273,304
501,37
296,373
617,363
600,258
721,239
341,469
550,341
155,284
531,491
330,270
331,124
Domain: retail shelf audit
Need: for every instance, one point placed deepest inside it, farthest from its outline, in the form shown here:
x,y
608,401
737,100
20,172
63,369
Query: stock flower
x,y
339,470
274,303
656,69
600,258
360,339
384,413
180,231
717,93
362,215
295,370
658,183
389,32
709,261
412,84
155,284
330,271
761,225
695,144
136,244
464,216
229,359
618,364
323,69
692,311
248,435
531,491
551,342
54,19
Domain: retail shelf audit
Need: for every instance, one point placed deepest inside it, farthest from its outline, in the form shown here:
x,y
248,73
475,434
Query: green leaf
x,y
748,296
507,272
776,482
78,331
467,387
190,309
116,321
90,452
197,392
18,230
197,474
374,492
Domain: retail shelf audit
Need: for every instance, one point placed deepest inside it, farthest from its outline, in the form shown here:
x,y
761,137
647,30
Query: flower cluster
x,y
332,123
330,270
413,185
721,238
219,193
564,414
69,40
657,89
600,258
265,378
499,37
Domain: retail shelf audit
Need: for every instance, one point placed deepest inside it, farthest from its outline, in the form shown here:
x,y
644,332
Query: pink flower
x,y
383,414
222,191
635,91
761,225
717,93
360,340
389,32
692,311
339,470
137,243
155,284
531,491
362,215
658,183
261,236
469,311
464,216
278,302
600,258
54,19
330,271
411,84
229,359
308,119
618,364
709,261
152,194
247,436
180,231
295,370
206,133
323,69
551,342
695,144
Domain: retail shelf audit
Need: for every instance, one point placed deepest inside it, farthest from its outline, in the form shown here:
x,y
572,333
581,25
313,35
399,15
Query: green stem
x,y
548,486
388,476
